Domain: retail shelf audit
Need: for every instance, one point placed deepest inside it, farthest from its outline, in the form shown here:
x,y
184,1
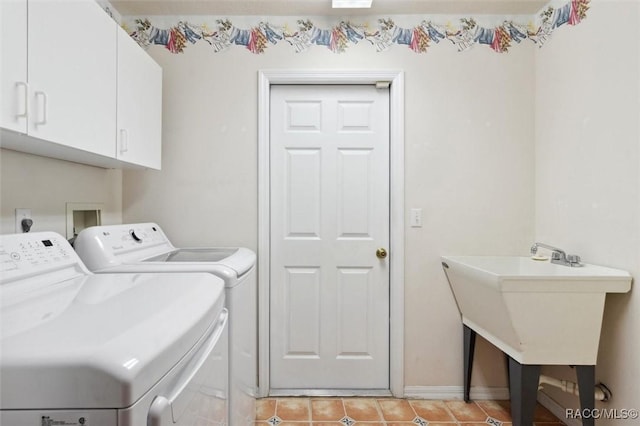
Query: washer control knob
x,y
134,236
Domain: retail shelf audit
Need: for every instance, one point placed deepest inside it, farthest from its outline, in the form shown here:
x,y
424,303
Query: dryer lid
x,y
99,341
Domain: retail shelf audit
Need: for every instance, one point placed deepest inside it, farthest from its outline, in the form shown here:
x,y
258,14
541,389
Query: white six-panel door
x,y
329,183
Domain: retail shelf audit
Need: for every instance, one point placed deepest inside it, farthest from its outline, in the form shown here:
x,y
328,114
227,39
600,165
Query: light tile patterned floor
x,y
324,411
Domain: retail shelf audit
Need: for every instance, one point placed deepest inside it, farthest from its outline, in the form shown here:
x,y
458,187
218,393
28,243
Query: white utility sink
x,y
535,311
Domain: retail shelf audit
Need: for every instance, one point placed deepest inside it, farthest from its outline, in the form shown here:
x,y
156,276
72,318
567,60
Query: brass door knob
x,y
381,253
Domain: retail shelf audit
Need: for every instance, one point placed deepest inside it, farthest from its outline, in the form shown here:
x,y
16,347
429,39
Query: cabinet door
x,y
13,65
139,105
72,74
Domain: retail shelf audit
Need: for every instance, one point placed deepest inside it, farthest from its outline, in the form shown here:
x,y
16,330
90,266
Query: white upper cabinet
x,y
59,90
139,105
13,65
72,74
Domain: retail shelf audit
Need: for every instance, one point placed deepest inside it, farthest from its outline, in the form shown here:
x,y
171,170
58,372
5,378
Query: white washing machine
x,y
144,247
110,349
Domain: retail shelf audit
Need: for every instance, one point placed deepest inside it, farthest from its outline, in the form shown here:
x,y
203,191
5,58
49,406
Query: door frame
x,y
396,208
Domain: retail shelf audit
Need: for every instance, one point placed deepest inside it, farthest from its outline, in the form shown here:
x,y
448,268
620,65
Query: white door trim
x,y
396,247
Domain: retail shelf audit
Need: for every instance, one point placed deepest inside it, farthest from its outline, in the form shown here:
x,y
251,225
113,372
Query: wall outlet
x,y
21,214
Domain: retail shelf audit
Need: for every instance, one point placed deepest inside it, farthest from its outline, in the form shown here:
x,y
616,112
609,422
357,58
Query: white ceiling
x,y
323,7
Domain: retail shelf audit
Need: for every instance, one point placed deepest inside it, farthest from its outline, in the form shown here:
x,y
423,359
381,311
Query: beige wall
x,y
500,148
469,165
45,185
588,172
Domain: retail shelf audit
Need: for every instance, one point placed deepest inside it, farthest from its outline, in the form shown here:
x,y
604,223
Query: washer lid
x,y
100,341
240,259
194,255
144,247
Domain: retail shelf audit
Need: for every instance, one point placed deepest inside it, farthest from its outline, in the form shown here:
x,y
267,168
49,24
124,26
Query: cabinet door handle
x,y
25,99
124,141
44,108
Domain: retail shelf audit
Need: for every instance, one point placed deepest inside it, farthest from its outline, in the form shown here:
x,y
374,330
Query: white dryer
x,y
144,247
110,349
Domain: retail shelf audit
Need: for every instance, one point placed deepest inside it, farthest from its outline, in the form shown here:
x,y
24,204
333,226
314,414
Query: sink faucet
x,y
557,255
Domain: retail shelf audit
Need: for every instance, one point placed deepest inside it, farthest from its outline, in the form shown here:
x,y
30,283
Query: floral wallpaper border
x,y
383,35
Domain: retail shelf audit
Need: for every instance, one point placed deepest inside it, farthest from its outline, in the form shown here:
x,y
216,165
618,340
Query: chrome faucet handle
x,y
558,255
573,260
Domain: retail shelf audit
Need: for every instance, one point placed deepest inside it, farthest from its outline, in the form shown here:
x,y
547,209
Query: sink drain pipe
x,y
601,392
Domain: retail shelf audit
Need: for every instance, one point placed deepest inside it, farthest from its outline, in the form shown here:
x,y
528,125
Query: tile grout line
x,y
484,411
453,416
275,410
344,409
415,413
380,412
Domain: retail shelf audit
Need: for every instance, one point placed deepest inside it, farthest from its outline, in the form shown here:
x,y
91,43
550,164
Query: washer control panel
x,y
103,247
124,238
29,253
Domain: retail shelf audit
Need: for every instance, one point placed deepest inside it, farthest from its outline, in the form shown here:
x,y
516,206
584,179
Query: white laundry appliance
x,y
80,349
144,247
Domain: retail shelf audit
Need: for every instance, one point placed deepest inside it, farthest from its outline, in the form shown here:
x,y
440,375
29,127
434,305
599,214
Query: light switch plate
x,y
416,218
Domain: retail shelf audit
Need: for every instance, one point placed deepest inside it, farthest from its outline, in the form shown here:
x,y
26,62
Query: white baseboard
x,y
456,392
559,411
